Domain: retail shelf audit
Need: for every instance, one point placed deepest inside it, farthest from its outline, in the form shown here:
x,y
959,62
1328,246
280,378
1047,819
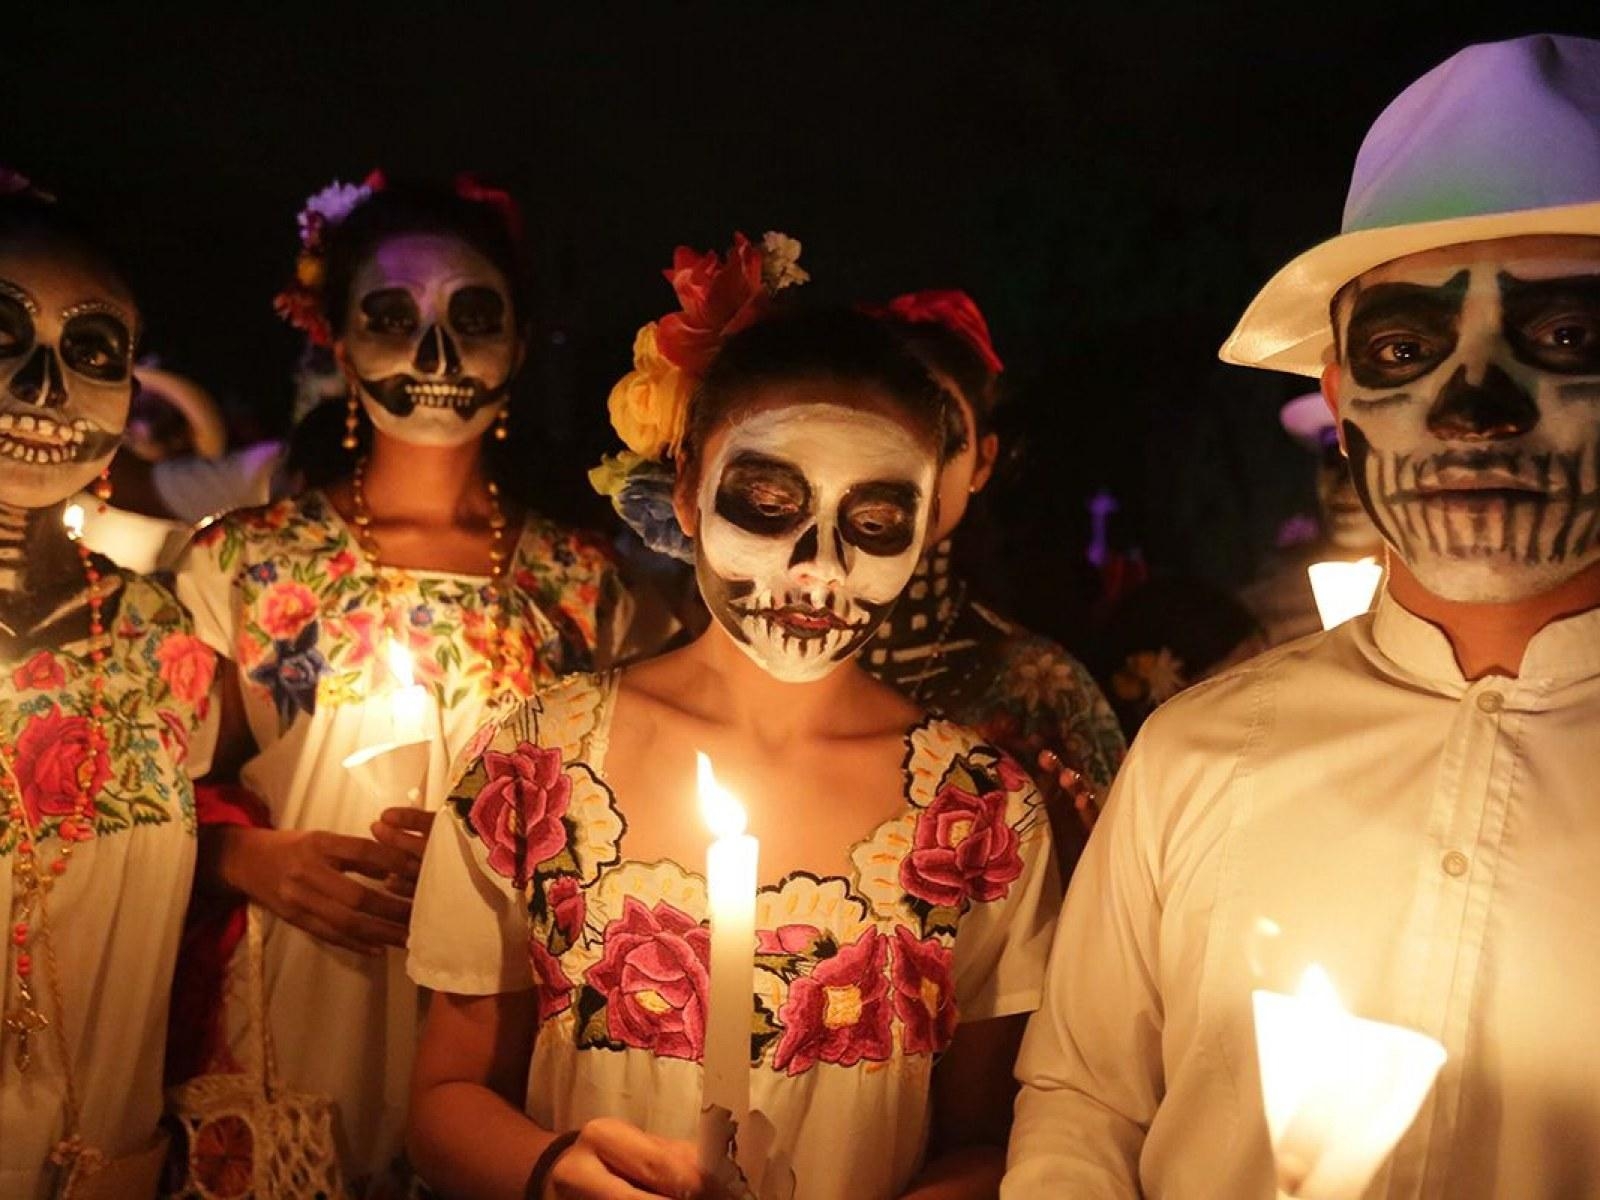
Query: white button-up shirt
x,y
1350,800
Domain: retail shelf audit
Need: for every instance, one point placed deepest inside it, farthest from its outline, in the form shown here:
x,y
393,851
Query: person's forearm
x,y
467,1143
222,866
970,1173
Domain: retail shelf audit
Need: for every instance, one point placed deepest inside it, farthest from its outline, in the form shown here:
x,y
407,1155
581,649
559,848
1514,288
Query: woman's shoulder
x,y
566,715
940,753
265,525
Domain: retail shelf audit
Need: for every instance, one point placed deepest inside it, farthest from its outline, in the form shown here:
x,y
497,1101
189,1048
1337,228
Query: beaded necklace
x,y
368,542
30,909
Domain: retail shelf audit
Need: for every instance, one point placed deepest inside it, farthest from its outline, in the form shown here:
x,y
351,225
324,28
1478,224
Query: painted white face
x,y
66,372
1470,408
432,339
811,520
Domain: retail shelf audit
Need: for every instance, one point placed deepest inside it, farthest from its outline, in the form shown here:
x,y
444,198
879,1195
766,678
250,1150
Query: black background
x,y
1111,181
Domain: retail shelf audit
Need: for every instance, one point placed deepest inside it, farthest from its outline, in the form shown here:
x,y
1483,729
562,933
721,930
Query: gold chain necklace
x,y
498,559
30,931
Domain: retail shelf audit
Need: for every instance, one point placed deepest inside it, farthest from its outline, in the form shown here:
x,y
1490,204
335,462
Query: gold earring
x,y
352,418
500,423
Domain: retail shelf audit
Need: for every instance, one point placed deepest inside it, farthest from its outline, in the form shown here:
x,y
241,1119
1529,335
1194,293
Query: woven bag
x,y
247,1137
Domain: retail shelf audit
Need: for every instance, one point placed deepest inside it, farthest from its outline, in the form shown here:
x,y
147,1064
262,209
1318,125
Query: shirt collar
x,y
1563,650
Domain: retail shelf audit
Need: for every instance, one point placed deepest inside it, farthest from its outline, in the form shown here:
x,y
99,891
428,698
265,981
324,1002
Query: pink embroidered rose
x,y
341,564
787,939
186,665
962,849
518,811
550,981
564,897
653,976
286,609
840,1012
924,995
356,632
41,672
57,758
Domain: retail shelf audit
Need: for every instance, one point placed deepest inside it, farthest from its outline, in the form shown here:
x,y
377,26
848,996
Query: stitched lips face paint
x,y
66,373
432,339
1470,409
811,520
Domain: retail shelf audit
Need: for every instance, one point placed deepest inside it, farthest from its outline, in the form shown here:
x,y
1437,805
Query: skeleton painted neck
x,y
1470,406
811,520
432,339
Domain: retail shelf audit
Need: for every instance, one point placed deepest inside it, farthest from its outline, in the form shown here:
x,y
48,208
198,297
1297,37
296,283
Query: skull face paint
x,y
812,517
1470,409
67,331
432,339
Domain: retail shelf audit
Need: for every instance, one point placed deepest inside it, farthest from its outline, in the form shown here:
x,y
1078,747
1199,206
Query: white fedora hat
x,y
1500,140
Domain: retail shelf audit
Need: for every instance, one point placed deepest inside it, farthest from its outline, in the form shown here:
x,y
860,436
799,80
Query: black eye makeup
x,y
763,495
1399,332
16,326
1554,324
477,311
880,518
391,312
97,345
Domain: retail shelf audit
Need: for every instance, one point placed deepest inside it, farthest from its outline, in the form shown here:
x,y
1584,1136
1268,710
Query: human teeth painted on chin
x,y
66,361
811,519
1470,409
432,340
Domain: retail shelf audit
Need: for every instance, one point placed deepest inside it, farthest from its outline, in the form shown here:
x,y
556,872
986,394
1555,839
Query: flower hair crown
x,y
649,406
302,302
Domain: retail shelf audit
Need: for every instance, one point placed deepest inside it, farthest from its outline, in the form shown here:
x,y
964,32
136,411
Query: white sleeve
x,y
193,488
1091,1066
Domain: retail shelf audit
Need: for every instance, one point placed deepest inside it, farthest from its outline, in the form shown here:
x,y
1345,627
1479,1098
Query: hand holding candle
x,y
1339,1090
730,1006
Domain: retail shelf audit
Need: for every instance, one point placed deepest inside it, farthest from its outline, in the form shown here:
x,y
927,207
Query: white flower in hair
x,y
780,262
333,204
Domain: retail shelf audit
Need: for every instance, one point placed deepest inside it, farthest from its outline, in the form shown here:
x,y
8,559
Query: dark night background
x,y
1110,181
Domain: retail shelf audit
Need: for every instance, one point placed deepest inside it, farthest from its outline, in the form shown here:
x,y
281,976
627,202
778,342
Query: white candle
x,y
409,701
1339,1091
72,518
1343,589
730,1007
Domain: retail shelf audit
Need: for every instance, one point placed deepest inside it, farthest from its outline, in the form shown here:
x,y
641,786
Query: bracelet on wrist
x,y
545,1163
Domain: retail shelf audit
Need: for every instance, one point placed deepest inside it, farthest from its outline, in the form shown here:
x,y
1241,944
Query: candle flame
x,y
1343,589
72,518
1317,988
400,664
720,807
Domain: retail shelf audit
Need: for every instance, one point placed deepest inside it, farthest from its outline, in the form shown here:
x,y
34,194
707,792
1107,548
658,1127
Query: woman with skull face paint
x,y
952,655
103,694
422,296
901,918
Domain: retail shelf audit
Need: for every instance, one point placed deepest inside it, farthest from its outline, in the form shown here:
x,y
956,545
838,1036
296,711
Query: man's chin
x,y
1492,580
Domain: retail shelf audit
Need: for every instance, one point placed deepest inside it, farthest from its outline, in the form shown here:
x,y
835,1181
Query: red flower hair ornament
x,y
953,309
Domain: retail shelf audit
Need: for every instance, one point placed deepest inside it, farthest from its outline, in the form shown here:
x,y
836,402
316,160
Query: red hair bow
x,y
469,187
953,309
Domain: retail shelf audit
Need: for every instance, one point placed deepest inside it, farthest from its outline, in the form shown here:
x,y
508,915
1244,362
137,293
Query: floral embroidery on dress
x,y
157,688
314,617
847,969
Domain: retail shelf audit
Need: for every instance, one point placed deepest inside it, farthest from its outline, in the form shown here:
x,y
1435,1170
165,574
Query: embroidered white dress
x,y
860,980
285,593
116,913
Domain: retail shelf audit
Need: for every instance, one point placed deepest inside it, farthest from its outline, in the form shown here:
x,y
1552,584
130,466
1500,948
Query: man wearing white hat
x,y
1408,800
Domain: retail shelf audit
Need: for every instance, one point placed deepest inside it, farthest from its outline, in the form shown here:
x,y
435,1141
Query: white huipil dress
x,y
286,593
116,913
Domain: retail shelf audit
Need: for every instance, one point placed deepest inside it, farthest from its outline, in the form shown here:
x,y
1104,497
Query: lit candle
x,y
1339,1090
409,700
72,518
730,1007
1343,589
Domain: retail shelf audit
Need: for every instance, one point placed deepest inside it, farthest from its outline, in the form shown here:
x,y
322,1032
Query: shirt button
x,y
1491,702
1455,864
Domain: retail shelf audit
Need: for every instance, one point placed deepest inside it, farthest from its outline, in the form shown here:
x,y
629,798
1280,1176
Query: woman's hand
x,y
405,830
305,877
612,1160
